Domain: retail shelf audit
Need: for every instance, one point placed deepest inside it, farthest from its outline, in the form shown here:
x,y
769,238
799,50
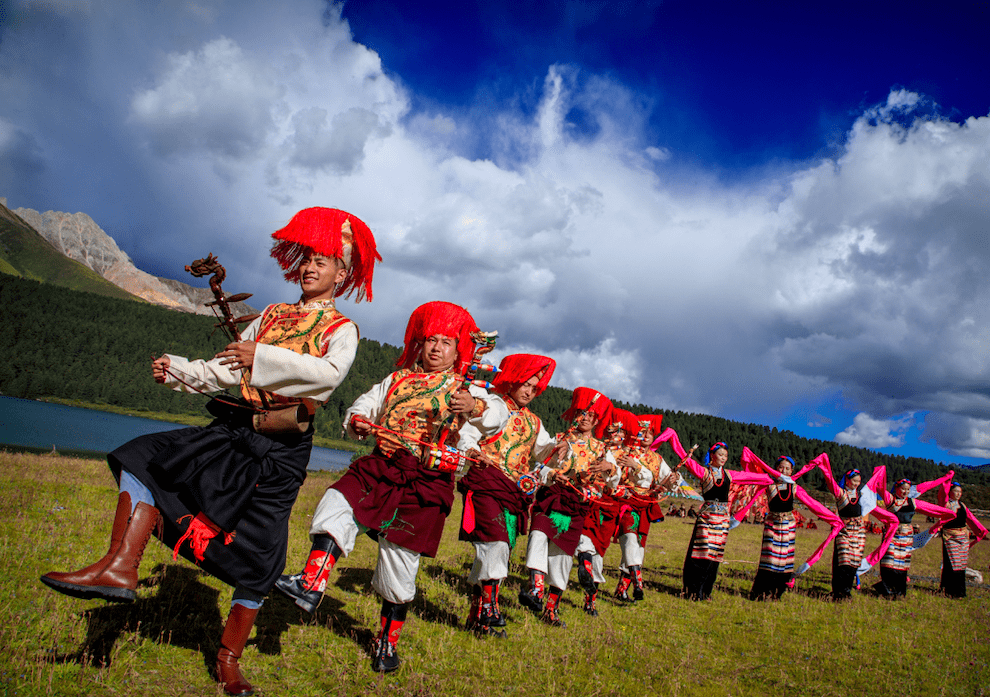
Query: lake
x,y
33,424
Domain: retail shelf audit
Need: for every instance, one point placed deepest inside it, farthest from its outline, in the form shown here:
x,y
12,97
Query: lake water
x,y
33,424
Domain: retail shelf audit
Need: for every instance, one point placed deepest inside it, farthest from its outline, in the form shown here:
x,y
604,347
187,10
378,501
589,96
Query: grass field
x,y
55,515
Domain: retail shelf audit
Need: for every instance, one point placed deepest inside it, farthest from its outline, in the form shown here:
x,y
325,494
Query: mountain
x,y
78,237
25,253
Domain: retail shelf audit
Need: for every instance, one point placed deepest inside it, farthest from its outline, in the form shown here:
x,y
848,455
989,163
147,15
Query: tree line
x,y
76,345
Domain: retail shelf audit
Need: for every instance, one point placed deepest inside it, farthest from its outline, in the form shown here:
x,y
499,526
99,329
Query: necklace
x,y
784,497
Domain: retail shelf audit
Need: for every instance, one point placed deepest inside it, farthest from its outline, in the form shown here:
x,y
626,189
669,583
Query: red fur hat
x,y
445,319
520,367
332,233
629,423
655,420
595,402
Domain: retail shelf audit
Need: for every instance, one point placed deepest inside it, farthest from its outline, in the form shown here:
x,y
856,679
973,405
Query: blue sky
x,y
773,212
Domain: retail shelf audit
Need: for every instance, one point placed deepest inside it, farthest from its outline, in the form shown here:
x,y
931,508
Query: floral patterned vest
x,y
512,447
304,329
414,406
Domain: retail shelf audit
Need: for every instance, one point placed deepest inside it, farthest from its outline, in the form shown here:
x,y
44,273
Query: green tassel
x,y
635,517
511,526
560,521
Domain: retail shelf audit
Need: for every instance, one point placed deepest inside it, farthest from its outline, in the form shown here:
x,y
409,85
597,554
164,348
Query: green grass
x,y
55,515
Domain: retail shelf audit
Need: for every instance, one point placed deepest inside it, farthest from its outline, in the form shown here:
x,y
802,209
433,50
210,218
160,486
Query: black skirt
x,y
243,481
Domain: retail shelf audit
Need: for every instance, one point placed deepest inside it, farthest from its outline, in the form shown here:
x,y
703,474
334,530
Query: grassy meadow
x,y
55,514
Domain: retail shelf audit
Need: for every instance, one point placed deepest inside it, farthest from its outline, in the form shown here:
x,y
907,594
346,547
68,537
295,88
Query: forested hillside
x,y
59,343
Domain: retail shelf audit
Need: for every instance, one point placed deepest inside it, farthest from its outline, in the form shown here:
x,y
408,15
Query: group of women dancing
x,y
855,500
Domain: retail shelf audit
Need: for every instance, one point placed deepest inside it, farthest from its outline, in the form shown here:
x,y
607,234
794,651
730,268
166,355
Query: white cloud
x,y
863,274
867,432
961,435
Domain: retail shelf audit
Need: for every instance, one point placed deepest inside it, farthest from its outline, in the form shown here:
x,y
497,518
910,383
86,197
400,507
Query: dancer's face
x,y
319,276
720,457
785,468
955,493
525,393
853,482
903,490
439,353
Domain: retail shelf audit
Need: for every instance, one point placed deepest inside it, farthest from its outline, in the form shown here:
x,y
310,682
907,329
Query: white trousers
x,y
546,557
395,572
491,562
597,563
632,553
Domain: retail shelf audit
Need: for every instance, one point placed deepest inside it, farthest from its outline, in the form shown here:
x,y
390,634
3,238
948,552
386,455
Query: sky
x,y
774,212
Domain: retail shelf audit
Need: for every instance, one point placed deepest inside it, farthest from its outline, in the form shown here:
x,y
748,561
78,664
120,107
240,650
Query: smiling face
x,y
785,467
903,489
853,482
439,353
720,457
319,276
525,393
586,423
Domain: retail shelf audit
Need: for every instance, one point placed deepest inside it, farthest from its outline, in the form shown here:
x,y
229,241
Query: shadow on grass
x,y
182,613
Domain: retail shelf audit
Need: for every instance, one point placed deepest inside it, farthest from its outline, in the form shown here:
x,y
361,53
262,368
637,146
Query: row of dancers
x,y
221,495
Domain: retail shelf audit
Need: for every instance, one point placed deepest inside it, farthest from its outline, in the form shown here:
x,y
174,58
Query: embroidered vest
x,y
644,457
415,405
583,452
512,447
305,330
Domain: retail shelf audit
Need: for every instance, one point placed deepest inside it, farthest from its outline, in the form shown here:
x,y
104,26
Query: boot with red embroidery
x,y
498,619
532,597
386,657
622,590
489,617
306,588
637,574
551,613
475,610
235,635
114,577
590,602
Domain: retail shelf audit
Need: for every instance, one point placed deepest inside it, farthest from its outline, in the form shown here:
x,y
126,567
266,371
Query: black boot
x,y
306,588
386,657
532,597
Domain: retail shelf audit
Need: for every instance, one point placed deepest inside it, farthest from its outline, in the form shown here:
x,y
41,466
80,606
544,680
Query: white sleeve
x,y
292,374
370,405
492,420
206,375
545,443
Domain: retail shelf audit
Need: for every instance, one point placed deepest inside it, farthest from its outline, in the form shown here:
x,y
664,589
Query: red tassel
x,y
446,319
468,519
520,367
199,533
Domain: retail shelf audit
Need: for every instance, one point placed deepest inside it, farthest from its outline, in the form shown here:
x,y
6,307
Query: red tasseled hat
x,y
446,319
655,420
332,233
593,400
520,367
629,422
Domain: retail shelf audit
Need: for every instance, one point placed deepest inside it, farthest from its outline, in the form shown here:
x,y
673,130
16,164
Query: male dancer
x,y
495,502
229,487
559,509
645,475
399,493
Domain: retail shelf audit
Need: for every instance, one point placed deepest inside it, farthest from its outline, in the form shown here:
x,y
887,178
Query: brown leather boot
x,y
235,636
116,577
86,575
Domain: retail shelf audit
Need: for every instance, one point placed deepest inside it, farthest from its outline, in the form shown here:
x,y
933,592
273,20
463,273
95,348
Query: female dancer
x,y
956,541
854,501
780,528
707,546
902,501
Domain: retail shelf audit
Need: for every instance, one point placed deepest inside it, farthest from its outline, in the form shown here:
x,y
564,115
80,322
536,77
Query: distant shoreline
x,y
186,419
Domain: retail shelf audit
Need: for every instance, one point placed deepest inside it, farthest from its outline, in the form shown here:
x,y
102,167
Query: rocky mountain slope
x,y
78,237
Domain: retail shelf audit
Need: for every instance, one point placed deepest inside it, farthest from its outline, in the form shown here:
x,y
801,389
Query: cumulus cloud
x,y
867,432
964,435
578,235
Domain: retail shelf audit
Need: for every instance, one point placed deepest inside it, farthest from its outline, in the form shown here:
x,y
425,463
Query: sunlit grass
x,y
55,514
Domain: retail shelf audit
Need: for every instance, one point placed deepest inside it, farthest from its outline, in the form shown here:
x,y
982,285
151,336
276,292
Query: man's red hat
x,y
332,233
629,423
655,420
595,402
445,319
520,367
